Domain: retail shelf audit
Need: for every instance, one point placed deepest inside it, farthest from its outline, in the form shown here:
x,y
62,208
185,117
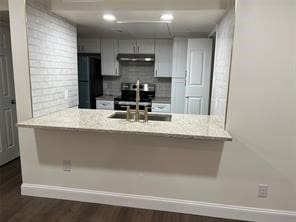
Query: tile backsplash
x,y
130,72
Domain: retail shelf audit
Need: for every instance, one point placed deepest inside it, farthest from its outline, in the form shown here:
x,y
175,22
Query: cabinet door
x,y
163,58
109,51
107,105
161,108
146,46
178,95
127,46
180,57
89,45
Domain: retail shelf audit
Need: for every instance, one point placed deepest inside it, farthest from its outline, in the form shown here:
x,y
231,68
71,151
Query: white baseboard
x,y
158,203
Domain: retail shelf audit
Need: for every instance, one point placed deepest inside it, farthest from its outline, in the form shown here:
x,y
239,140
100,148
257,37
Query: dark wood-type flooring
x,y
14,207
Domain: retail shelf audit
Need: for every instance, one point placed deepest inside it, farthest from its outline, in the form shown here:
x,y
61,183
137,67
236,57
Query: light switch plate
x,y
67,165
263,190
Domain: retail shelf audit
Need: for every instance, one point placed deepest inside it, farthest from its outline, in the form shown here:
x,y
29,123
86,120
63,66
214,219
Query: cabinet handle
x,y
158,107
134,49
138,49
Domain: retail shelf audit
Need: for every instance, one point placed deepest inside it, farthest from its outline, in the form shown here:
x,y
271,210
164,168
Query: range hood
x,y
136,57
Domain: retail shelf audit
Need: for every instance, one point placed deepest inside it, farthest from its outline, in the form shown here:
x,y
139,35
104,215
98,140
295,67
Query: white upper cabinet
x,y
180,57
89,45
127,46
146,46
109,51
163,58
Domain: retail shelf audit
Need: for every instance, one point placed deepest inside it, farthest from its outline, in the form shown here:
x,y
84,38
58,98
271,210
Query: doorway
x,y
9,146
198,78
213,37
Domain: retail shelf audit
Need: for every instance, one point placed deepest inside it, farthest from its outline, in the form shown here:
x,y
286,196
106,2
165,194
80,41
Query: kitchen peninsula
x,y
86,155
180,126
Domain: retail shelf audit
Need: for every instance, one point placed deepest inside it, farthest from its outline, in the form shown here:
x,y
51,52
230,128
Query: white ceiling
x,y
192,18
103,5
186,23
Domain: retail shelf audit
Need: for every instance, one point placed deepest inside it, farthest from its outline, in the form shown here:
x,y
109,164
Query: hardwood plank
x,y
17,208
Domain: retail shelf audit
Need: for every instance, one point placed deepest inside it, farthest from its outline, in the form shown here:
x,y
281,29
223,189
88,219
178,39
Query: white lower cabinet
x,y
178,95
103,104
161,108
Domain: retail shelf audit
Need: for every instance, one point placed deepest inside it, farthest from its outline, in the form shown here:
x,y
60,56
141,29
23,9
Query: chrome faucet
x,y
138,101
137,111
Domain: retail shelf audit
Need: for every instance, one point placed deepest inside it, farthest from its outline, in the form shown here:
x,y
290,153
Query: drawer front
x,y
161,108
108,105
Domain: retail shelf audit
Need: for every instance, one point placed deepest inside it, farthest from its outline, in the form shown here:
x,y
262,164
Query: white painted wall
x,y
223,51
261,118
261,112
52,45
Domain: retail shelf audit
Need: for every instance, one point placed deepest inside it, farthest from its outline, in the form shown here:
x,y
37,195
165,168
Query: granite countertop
x,y
166,100
182,126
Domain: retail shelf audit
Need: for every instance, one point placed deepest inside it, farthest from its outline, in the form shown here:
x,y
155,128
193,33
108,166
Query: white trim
x,y
158,203
212,32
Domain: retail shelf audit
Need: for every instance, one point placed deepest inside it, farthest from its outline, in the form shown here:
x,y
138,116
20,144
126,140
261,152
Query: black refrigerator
x,y
90,82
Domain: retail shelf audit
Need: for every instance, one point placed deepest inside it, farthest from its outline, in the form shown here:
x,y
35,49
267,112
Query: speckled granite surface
x,y
181,126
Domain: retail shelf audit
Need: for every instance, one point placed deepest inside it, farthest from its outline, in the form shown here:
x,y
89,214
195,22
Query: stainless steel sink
x,y
151,116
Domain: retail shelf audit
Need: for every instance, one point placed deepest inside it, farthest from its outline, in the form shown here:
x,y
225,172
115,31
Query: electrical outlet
x,y
66,94
263,190
67,166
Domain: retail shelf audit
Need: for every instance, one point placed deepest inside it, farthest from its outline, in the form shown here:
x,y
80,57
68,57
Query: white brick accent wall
x,y
224,41
53,60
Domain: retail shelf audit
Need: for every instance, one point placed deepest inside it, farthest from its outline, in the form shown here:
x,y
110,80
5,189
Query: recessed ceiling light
x,y
167,17
109,17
